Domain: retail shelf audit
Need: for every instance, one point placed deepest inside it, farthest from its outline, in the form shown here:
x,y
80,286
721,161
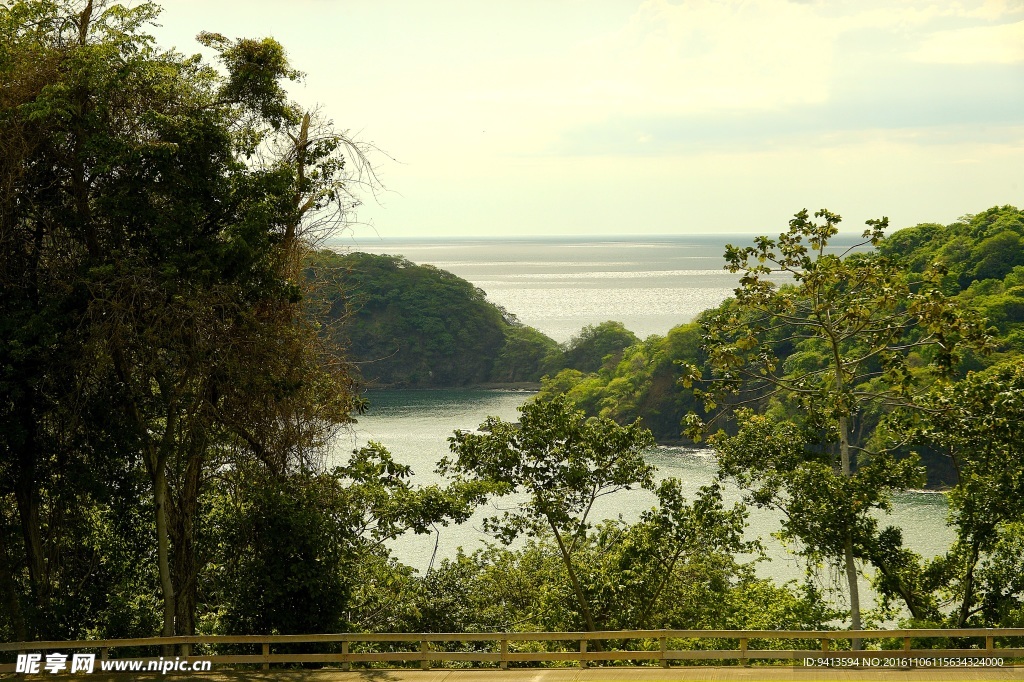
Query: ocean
x,y
559,286
415,426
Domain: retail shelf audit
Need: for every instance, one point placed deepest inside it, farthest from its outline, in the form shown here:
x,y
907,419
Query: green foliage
x,y
255,69
165,400
559,458
527,589
558,464
306,552
642,384
285,546
782,466
526,356
595,346
855,337
975,423
416,325
151,324
976,247
563,463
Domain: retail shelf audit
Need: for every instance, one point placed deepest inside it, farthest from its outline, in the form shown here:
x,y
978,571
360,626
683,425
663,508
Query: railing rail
x,y
506,647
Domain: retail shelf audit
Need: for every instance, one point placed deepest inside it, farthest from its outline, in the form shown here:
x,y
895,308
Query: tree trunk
x,y
163,551
8,588
26,492
577,588
848,559
968,599
155,457
185,567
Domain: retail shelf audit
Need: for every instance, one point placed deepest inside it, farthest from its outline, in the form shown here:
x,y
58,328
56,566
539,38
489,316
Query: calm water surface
x,y
560,285
415,426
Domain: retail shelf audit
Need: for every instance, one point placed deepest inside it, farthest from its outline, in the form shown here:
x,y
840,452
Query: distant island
x,y
416,326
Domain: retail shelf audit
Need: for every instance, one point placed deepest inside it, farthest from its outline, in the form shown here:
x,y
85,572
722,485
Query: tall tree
x,y
561,464
975,424
859,327
150,241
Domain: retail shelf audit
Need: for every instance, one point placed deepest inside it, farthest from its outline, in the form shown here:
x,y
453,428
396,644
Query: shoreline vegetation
x,y
608,371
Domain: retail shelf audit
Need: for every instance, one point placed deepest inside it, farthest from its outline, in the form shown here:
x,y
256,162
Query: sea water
x,y
558,286
415,425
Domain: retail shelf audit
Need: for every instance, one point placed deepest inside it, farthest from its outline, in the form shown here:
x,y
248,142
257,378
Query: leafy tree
x,y
588,350
304,552
526,356
642,384
562,463
149,236
979,246
527,589
287,564
855,322
975,424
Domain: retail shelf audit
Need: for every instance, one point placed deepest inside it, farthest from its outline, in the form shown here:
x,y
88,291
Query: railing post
x,y
504,655
663,646
990,644
906,645
345,663
104,653
186,649
266,656
824,644
743,651
583,650
425,650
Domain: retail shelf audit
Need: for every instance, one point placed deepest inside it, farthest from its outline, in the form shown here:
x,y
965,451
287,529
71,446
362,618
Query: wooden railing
x,y
648,646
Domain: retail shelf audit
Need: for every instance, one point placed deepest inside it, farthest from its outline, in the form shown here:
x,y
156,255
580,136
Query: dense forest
x,y
984,272
417,326
174,373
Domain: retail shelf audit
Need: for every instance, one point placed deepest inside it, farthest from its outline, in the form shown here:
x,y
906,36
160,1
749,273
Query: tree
x,y
150,236
562,463
588,350
854,329
975,424
526,356
301,551
660,571
644,383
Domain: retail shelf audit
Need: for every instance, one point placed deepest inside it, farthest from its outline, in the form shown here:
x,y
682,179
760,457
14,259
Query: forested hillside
x,y
984,265
417,326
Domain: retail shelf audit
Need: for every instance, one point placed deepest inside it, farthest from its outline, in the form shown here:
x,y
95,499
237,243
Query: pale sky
x,y
619,117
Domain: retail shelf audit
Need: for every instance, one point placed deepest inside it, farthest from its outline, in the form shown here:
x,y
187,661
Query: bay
x,y
559,285
415,426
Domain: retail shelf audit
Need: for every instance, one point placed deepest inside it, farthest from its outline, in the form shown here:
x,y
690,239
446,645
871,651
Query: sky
x,y
619,117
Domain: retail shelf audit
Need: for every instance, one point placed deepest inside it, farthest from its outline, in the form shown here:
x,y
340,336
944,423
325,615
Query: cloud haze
x,y
610,117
